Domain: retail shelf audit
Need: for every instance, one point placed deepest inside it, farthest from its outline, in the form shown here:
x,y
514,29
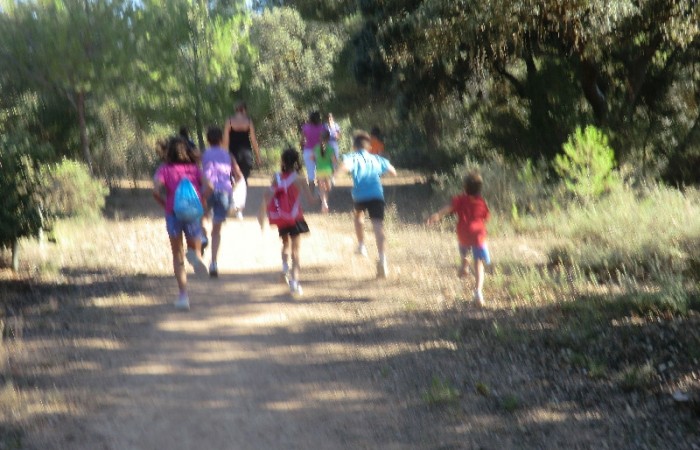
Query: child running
x,y
325,160
283,207
179,165
368,194
218,167
472,215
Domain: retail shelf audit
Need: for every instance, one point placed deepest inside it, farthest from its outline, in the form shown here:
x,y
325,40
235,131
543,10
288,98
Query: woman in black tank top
x,y
241,140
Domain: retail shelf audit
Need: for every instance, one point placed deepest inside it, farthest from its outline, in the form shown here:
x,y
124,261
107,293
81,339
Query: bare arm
x,y
226,128
391,170
304,188
158,193
435,217
236,171
254,143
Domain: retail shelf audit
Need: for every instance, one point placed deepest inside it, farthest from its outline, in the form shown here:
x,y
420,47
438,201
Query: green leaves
x,y
587,164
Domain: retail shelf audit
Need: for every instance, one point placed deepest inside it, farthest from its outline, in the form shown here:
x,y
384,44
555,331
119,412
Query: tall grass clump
x,y
512,189
642,234
71,190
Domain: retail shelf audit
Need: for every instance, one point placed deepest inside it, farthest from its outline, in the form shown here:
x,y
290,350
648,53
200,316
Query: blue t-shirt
x,y
365,169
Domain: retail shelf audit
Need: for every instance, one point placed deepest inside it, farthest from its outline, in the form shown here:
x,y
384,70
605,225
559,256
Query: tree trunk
x,y
84,140
15,255
197,93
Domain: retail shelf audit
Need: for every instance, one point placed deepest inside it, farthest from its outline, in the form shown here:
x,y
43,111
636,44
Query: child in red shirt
x,y
472,215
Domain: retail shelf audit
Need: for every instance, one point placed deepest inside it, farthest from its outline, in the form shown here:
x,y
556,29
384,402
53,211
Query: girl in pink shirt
x,y
179,165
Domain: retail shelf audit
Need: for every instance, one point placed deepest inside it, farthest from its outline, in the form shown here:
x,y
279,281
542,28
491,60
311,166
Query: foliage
x,y
291,72
510,188
597,236
71,191
121,150
189,63
74,48
587,163
440,392
22,214
540,67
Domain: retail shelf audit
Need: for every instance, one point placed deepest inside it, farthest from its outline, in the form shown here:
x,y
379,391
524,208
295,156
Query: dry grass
x,y
102,274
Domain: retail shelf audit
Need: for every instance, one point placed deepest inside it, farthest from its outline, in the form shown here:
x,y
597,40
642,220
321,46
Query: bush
x,y
587,163
510,188
638,233
22,214
72,192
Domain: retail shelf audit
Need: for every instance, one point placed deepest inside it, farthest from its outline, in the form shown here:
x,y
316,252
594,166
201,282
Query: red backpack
x,y
284,207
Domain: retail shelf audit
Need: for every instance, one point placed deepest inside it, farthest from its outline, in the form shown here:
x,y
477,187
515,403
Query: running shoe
x,y
295,287
479,299
382,269
199,267
183,302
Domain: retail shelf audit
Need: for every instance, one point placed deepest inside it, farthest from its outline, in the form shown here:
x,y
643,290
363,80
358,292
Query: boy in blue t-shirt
x,y
368,194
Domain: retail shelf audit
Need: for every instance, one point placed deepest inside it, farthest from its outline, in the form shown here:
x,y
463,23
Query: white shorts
x,y
310,164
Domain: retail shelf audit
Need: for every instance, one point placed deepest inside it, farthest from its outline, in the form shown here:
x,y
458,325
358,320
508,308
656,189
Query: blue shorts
x,y
220,203
176,227
478,252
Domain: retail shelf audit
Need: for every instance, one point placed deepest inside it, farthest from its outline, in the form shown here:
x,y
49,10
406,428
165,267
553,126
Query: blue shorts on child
x,y
220,203
478,252
176,227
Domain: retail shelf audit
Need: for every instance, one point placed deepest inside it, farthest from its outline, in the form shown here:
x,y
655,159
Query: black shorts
x,y
375,208
295,230
244,159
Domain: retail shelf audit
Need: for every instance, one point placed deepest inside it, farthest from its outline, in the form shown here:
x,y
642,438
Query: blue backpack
x,y
187,206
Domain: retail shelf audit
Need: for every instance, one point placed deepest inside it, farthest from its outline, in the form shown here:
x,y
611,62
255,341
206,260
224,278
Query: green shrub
x,y
511,189
22,213
440,392
72,192
587,164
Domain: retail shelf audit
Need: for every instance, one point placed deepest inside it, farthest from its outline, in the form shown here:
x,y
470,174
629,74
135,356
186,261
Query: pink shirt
x,y
169,175
312,135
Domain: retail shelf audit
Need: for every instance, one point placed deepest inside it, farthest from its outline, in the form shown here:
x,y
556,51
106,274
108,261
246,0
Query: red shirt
x,y
472,214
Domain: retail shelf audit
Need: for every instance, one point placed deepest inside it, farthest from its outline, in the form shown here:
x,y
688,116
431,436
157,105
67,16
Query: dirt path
x,y
105,362
249,367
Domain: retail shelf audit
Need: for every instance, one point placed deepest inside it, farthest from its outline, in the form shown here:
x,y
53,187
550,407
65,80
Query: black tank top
x,y
238,141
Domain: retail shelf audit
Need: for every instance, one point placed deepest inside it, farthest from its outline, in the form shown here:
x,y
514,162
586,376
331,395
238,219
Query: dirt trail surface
x,y
105,362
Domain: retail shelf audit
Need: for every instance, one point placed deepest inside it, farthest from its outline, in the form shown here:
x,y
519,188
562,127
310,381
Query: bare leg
x,y
378,227
296,261
464,270
324,188
179,263
215,241
359,226
479,274
285,252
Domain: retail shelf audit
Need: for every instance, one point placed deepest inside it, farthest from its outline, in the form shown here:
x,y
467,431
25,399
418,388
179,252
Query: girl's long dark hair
x,y
290,160
325,136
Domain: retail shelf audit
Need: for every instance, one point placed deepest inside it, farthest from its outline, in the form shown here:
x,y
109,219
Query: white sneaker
x,y
183,302
284,275
382,269
295,287
199,267
479,298
361,250
239,215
